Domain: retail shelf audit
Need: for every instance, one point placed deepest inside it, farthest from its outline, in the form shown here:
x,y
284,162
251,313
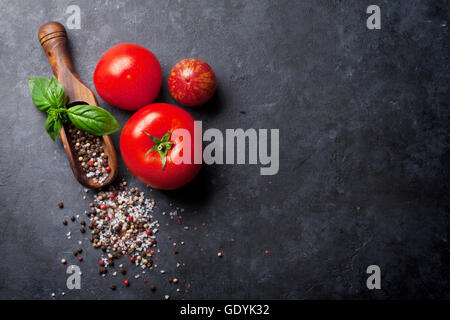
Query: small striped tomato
x,y
192,82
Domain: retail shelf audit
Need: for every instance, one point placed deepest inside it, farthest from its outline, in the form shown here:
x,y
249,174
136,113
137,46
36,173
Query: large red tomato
x,y
128,76
192,82
151,135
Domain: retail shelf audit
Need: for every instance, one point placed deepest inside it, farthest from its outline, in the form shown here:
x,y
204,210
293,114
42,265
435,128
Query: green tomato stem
x,y
162,146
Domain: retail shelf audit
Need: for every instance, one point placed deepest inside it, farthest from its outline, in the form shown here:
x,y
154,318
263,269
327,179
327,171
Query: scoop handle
x,y
53,38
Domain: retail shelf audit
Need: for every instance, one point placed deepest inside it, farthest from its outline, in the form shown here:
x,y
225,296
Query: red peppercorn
x,y
145,281
126,282
130,218
91,163
112,196
108,218
108,168
267,251
103,206
148,232
152,252
132,259
80,258
101,263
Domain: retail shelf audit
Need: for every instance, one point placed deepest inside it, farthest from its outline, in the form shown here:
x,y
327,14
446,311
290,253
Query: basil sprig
x,y
49,96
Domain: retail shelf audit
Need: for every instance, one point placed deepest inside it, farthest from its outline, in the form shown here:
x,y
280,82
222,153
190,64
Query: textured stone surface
x,y
363,118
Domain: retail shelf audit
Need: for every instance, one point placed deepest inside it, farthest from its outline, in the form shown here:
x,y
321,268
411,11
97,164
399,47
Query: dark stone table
x,y
364,150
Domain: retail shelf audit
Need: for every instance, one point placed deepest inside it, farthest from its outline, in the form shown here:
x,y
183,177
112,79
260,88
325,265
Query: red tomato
x,y
192,82
128,76
140,152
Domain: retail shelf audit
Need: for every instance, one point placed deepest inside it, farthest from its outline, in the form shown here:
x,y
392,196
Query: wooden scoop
x,y
53,38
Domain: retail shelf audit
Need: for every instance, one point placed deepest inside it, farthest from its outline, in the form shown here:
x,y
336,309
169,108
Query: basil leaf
x,y
55,93
53,126
93,119
38,92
